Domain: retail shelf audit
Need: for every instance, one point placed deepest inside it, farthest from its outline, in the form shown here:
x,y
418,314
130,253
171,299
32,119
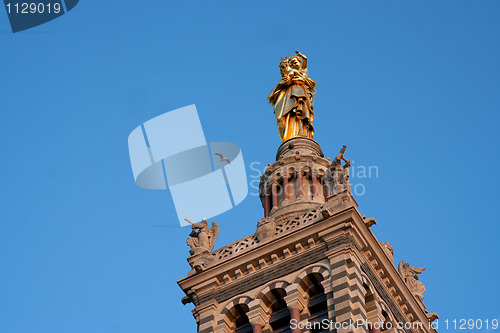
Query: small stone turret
x,y
299,179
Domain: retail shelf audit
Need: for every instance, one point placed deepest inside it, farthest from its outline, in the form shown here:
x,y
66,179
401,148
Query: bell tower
x,y
313,264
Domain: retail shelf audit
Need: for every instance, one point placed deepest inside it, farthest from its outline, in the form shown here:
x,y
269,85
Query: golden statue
x,y
293,99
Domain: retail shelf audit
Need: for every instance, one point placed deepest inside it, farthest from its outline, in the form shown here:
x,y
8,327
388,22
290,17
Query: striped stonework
x,y
348,292
308,263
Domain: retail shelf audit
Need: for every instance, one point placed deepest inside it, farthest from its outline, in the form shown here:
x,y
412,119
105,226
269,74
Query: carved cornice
x,y
284,225
238,258
281,267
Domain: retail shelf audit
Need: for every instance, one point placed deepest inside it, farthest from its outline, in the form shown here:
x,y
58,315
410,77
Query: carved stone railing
x,y
236,247
283,225
314,215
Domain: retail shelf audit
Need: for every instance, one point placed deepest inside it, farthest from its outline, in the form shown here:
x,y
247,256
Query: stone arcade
x,y
313,264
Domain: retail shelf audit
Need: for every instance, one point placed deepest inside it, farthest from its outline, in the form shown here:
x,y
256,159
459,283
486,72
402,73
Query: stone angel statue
x,y
202,238
293,99
410,276
340,173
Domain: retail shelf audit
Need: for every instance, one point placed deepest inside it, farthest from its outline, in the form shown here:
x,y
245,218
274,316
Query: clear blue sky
x,y
411,87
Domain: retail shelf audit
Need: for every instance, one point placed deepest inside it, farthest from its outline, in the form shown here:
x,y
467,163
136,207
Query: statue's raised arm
x,y
304,59
202,240
417,270
410,277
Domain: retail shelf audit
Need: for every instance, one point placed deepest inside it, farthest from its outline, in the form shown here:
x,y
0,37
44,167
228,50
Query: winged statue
x,y
202,238
410,276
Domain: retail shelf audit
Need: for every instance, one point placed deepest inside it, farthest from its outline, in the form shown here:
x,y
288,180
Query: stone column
x,y
295,316
275,193
286,191
306,186
257,317
315,189
296,302
327,189
257,328
317,192
267,209
300,194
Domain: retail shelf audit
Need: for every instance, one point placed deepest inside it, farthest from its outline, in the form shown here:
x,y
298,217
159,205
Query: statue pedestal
x,y
297,180
303,146
200,259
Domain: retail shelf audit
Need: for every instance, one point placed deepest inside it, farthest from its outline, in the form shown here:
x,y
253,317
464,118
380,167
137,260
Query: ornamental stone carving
x,y
265,229
202,238
410,276
340,173
388,249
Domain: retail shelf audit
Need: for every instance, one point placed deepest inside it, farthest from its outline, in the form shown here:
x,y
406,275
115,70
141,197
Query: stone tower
x,y
313,264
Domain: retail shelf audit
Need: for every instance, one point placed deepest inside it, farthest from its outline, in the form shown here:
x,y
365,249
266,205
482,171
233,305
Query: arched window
x,y
241,320
389,323
238,318
317,305
279,320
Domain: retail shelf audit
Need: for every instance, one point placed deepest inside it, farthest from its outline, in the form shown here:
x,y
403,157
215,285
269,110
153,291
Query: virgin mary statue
x,y
293,99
